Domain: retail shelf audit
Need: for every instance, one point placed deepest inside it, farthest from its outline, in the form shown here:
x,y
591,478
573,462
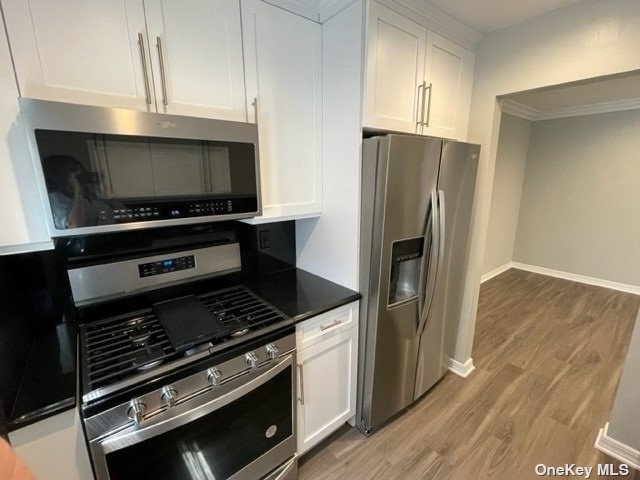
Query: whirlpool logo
x,y
166,124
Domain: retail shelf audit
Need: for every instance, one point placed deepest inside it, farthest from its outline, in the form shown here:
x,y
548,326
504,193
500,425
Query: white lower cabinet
x,y
327,374
54,448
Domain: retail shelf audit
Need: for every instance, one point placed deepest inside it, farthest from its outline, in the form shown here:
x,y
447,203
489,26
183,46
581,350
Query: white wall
x,y
511,160
328,246
588,39
580,210
623,423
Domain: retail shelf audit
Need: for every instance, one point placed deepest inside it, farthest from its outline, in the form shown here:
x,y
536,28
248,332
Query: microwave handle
x,y
119,441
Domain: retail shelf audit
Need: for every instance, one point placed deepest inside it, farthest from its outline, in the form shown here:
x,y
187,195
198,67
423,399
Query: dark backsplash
x,y
274,240
15,335
35,296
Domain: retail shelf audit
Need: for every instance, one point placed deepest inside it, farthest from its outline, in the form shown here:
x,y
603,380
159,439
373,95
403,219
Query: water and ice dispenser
x,y
406,269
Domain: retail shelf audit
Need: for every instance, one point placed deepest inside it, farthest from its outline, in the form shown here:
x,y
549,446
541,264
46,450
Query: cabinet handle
x,y
419,109
326,326
163,80
255,108
145,72
301,382
426,123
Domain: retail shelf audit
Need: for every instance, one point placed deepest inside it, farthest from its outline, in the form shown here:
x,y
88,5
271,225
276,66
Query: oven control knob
x,y
272,351
252,359
213,376
136,411
169,396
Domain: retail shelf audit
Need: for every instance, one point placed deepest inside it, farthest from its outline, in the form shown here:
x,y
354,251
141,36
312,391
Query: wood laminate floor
x,y
548,356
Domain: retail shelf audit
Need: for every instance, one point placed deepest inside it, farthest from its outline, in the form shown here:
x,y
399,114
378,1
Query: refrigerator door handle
x,y
442,226
426,258
433,267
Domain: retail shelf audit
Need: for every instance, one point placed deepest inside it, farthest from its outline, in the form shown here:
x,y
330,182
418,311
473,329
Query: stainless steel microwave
x,y
106,169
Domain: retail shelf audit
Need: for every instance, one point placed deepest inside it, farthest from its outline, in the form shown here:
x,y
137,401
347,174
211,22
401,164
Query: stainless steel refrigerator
x,y
417,195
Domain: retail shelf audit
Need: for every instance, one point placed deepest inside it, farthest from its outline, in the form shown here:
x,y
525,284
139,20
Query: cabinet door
x,y
54,448
326,387
81,51
196,51
449,70
283,63
21,212
395,70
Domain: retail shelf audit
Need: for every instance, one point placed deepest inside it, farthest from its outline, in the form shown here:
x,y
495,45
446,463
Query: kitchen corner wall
x,y
581,197
511,159
623,423
328,246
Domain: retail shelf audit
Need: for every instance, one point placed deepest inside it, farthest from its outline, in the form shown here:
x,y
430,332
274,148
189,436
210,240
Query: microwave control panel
x,y
166,266
142,212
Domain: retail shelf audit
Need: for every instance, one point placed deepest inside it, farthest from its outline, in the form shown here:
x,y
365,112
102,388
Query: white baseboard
x,y
496,271
616,449
623,287
462,369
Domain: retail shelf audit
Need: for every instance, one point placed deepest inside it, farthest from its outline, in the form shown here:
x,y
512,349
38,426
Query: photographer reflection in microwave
x,y
73,194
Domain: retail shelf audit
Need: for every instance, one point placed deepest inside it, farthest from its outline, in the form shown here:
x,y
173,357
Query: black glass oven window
x,y
216,445
96,179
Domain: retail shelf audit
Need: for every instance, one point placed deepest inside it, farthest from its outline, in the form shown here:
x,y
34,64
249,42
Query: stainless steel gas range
x,y
181,383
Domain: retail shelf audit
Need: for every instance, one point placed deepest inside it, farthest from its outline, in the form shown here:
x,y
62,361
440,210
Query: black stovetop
x,y
124,347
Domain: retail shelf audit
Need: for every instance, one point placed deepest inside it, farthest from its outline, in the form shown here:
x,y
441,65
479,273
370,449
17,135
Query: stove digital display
x,y
166,266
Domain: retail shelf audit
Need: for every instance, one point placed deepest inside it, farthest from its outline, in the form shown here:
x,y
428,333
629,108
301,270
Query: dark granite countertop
x,y
37,339
300,294
48,384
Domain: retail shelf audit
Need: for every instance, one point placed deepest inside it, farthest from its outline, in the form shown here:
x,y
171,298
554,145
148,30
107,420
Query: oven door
x,y
242,429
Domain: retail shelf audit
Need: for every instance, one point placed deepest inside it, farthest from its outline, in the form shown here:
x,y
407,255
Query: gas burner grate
x,y
121,346
240,311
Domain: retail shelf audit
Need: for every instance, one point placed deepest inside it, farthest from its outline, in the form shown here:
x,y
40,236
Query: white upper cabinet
x,y
171,56
395,70
196,52
81,51
449,74
21,214
416,80
283,63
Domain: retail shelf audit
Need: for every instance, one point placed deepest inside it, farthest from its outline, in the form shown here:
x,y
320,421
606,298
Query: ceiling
x,y
487,15
616,89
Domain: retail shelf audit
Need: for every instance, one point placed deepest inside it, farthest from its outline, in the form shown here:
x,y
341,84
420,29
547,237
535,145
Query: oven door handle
x,y
122,440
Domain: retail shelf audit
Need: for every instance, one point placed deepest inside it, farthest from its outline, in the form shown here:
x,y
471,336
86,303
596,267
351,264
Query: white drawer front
x,y
326,325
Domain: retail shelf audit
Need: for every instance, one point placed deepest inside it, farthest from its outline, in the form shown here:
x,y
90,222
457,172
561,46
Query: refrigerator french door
x,y
417,195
